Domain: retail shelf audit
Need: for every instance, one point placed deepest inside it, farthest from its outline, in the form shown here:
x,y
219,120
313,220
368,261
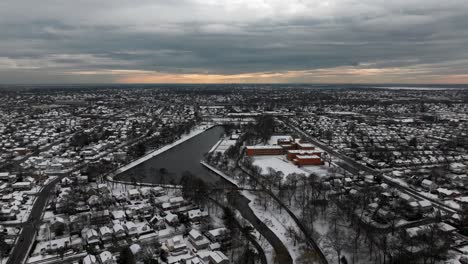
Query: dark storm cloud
x,y
63,38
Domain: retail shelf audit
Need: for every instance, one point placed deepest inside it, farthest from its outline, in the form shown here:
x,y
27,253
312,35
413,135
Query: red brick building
x,y
304,146
292,154
303,160
292,148
264,150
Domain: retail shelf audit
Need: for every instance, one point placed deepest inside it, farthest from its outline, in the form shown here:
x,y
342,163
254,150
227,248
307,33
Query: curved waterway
x,y
168,167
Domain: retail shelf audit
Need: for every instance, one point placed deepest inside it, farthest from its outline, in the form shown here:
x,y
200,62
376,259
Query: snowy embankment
x,y
220,173
216,145
194,132
281,223
223,144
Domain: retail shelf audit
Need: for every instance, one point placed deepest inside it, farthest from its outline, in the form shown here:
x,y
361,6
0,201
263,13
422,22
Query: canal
x,y
168,167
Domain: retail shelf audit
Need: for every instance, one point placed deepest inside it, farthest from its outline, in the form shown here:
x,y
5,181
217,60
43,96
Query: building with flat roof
x,y
264,150
292,154
303,160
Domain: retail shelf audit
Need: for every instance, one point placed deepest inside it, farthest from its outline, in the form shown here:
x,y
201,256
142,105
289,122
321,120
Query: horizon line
x,y
236,83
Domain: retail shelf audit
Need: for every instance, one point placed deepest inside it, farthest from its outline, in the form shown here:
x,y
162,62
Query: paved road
x,y
28,233
26,238
354,164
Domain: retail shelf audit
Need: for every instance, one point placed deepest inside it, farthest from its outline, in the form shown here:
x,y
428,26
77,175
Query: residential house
x,y
220,234
106,233
107,258
198,240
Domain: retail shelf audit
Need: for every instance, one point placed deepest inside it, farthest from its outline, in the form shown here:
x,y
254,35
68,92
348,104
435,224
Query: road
x,y
28,232
354,164
26,238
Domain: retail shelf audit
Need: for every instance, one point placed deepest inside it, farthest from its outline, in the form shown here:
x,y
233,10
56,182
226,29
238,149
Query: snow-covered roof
x,y
89,259
105,256
135,248
425,203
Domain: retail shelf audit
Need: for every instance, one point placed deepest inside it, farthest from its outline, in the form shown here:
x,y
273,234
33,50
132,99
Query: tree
x,y
126,256
193,188
79,140
337,240
248,256
329,135
162,170
229,219
4,246
265,127
59,229
464,219
137,150
150,261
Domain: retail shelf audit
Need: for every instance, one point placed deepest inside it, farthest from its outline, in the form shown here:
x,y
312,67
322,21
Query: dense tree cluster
x,y
194,188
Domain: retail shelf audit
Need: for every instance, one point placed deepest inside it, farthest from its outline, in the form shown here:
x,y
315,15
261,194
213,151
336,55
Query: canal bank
x,y
168,164
241,203
193,133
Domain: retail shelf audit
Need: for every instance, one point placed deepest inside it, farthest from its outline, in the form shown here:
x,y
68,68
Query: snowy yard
x,y
280,163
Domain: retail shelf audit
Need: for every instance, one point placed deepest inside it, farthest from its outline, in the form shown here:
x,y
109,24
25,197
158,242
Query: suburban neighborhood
x,y
165,175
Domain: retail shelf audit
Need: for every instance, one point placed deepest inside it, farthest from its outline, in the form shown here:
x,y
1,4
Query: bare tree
x,y
337,240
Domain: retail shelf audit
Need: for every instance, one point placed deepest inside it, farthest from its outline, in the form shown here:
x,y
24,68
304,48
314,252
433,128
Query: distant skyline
x,y
238,41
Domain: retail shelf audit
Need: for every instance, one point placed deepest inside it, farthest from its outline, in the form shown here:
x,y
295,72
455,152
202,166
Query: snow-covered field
x,y
280,163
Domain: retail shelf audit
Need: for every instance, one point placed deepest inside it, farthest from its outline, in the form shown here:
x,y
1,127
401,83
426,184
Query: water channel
x,y
168,167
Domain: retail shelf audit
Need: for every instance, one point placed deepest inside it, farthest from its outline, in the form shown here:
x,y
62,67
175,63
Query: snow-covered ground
x,y
279,223
223,144
280,163
274,139
321,226
452,204
321,171
399,181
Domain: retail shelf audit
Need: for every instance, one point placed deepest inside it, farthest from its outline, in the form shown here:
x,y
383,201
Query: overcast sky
x,y
150,41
